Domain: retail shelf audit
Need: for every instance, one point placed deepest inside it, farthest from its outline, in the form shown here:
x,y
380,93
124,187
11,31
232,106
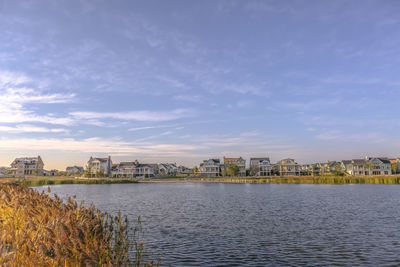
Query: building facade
x,y
99,166
368,166
260,167
210,168
240,162
287,167
27,166
124,170
74,170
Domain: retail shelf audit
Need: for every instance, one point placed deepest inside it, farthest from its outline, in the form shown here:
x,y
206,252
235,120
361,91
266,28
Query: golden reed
x,y
38,230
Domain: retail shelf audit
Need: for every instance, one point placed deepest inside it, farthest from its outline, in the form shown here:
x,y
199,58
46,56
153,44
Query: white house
x,y
146,170
368,166
74,170
167,169
210,168
260,166
99,166
124,169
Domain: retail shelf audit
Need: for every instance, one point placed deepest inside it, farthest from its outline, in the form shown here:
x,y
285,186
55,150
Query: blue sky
x,y
182,81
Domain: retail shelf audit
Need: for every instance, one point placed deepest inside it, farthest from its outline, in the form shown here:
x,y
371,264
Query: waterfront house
x,y
146,170
260,167
239,162
50,172
4,171
27,166
347,164
311,169
357,167
368,166
74,170
182,170
287,167
124,169
99,166
379,166
395,165
167,169
210,168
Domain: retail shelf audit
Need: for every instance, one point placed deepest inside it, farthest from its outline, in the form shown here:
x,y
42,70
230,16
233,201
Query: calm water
x,y
258,225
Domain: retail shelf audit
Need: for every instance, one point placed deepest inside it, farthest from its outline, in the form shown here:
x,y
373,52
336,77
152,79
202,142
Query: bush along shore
x,y
323,179
40,180
39,230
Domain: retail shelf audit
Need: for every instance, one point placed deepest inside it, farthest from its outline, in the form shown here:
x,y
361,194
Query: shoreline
x,y
327,179
393,179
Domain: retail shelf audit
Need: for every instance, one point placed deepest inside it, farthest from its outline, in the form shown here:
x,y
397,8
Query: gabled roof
x,y
266,158
384,160
359,161
346,162
213,160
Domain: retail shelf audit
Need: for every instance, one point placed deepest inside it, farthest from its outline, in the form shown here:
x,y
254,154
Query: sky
x,y
184,81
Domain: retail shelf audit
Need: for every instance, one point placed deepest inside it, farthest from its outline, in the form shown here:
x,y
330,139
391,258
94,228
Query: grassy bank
x,y
37,230
327,179
40,180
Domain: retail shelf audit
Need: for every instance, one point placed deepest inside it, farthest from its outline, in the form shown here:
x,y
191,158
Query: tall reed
x,y
39,230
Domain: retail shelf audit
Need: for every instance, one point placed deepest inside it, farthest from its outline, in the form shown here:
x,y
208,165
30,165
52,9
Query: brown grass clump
x,y
37,230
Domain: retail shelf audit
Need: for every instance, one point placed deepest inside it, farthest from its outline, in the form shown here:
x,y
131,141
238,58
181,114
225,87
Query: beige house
x,y
396,163
288,167
240,162
27,166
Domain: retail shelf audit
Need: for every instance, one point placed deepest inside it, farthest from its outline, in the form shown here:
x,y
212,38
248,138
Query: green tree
x,y
232,170
338,170
394,168
88,172
100,173
195,169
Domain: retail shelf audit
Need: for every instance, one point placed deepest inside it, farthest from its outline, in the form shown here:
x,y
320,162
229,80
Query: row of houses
x,y
289,167
261,166
258,167
27,166
104,167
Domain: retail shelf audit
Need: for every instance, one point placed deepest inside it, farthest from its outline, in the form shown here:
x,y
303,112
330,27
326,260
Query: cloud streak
x,y
141,115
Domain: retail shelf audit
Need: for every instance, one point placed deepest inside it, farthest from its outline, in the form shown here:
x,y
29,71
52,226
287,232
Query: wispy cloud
x,y
370,137
93,145
18,91
31,129
141,115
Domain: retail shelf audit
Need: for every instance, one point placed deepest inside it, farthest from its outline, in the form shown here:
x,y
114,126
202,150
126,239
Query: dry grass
x,y
37,230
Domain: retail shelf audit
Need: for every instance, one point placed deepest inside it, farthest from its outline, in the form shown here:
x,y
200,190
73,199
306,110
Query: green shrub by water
x,y
58,181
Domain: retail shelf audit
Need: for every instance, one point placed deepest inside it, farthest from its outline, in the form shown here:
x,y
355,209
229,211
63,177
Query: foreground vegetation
x,y
38,230
56,180
323,179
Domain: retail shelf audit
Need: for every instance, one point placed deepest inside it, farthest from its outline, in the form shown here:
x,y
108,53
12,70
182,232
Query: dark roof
x,y
359,161
384,160
266,158
102,159
346,161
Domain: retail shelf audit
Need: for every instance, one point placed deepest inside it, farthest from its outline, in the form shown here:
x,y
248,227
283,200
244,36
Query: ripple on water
x,y
258,225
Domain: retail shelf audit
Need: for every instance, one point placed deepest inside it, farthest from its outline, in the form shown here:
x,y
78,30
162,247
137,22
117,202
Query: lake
x,y
199,224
